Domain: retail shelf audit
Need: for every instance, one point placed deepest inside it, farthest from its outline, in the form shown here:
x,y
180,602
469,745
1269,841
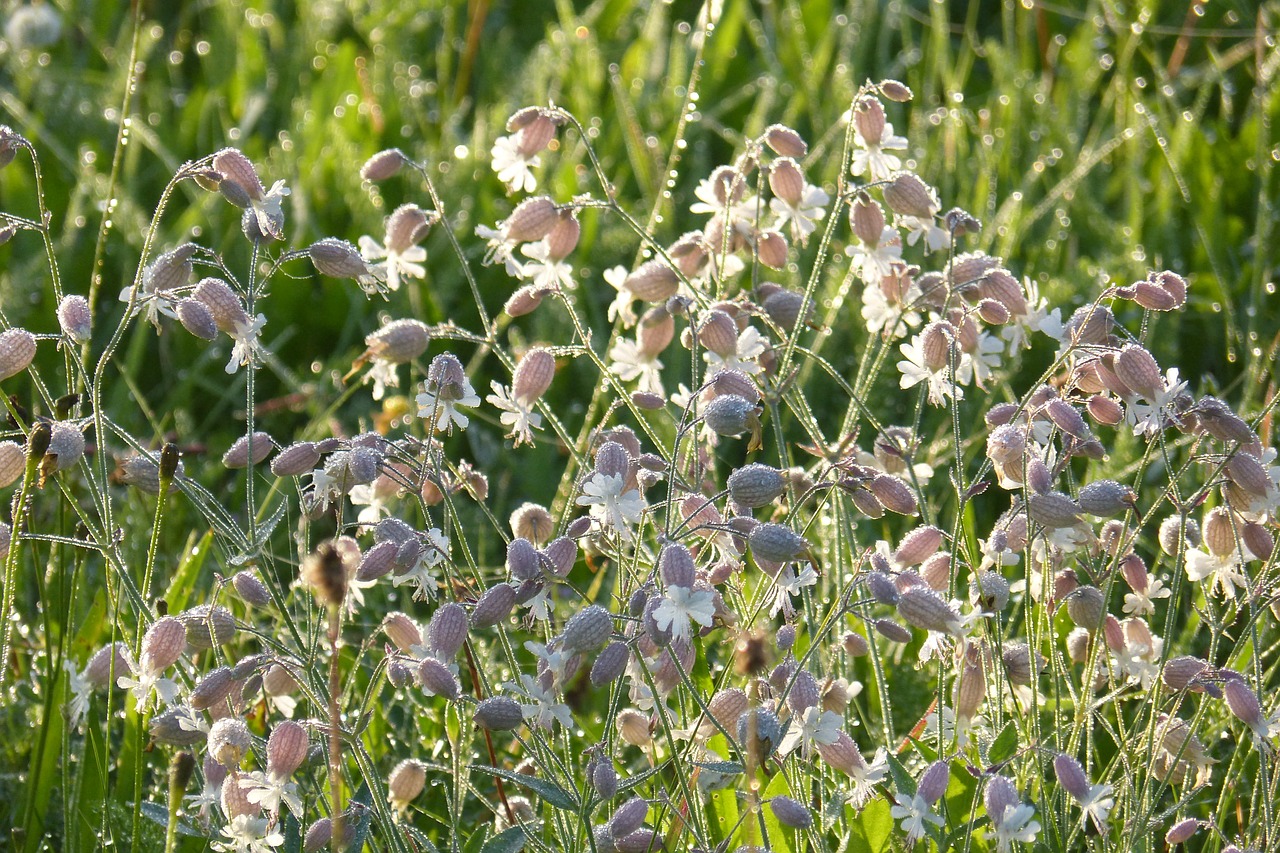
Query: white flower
x,y
150,303
267,209
1226,571
383,375
148,681
542,709
1037,319
873,263
248,834
539,606
1143,603
545,271
394,265
629,362
1152,416
961,731
913,813
681,605
815,726
269,790
620,308
610,505
499,249
914,371
80,691
979,362
1016,825
514,168
803,214
750,346
516,416
873,160
247,351
423,573
556,661
442,413
788,583
866,776
373,500
1097,804
739,215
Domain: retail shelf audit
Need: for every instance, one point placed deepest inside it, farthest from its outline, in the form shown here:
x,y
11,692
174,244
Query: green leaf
x,y
362,812
872,828
160,815
508,841
1005,744
551,792
729,768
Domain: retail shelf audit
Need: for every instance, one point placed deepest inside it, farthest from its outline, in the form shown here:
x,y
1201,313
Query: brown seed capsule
x,y
324,572
498,714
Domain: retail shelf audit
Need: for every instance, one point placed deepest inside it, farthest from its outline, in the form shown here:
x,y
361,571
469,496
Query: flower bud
x,y
603,778
399,341
776,543
1087,607
629,817
924,608
909,196
208,625
533,375
259,444
532,219
785,141
933,782
1181,831
610,664
252,590
383,165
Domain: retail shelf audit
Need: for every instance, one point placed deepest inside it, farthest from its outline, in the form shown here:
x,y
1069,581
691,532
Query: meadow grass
x,y
1095,144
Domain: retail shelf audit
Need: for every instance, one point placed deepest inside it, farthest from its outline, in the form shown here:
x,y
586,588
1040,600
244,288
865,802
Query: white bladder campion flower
x,y
914,812
915,368
514,166
517,416
681,606
249,834
613,506
247,351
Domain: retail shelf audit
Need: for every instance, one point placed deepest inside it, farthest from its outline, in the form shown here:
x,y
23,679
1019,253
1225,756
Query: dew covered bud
x,y
891,630
229,739
383,165
894,494
854,644
785,141
1086,606
990,590
163,644
533,375
66,446
399,341
791,813
933,782
729,415
776,543
499,714
286,748
908,195
532,219
250,589
248,450
406,782
437,679
1136,368
759,733
208,625
214,687
1020,663
924,608
494,606
1054,510
447,631
1106,498
610,664
587,630
75,318
629,817
1181,831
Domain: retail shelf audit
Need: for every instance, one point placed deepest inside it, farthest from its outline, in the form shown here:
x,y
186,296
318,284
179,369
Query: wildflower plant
x,y
993,580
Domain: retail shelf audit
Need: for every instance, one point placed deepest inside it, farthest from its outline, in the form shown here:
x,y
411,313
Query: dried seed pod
x,y
437,679
494,606
676,566
587,630
498,714
790,813
447,631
